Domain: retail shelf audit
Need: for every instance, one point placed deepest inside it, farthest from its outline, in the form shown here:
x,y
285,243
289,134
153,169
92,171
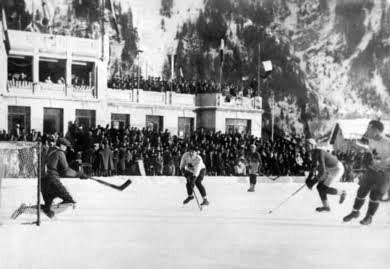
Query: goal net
x,y
20,172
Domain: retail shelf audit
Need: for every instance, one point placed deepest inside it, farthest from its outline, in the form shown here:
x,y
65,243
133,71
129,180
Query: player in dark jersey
x,y
51,186
375,181
330,170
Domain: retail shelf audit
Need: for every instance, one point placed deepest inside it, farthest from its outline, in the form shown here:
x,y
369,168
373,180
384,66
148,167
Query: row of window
x,y
53,121
20,68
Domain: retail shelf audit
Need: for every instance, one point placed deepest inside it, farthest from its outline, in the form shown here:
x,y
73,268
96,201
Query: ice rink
x,y
146,226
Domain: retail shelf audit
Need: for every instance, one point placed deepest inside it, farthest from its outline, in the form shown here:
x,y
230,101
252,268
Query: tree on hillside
x,y
130,37
166,8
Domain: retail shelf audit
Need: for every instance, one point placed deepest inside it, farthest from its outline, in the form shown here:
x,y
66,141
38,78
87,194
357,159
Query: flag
x,y
337,138
267,66
221,50
248,23
110,7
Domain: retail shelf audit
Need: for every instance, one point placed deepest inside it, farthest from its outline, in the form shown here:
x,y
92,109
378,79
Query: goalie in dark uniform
x,y
375,181
51,186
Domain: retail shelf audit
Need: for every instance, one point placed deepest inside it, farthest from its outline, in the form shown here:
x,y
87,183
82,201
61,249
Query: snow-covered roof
x,y
355,128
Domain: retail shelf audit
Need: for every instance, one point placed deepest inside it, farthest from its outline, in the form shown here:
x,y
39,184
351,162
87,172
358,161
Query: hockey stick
x,y
197,201
288,198
119,188
273,179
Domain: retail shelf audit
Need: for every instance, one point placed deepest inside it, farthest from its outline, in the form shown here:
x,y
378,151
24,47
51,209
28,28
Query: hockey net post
x,y
20,178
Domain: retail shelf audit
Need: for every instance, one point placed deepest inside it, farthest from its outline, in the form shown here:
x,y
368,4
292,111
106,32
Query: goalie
x,y
329,169
51,186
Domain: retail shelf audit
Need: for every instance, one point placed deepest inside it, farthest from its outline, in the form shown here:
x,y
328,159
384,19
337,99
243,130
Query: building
x,y
50,80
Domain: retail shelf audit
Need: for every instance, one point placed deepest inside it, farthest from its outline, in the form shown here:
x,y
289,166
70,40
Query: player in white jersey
x,y
194,170
375,180
330,170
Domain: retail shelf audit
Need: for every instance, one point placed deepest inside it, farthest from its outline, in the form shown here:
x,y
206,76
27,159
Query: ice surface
x,y
146,226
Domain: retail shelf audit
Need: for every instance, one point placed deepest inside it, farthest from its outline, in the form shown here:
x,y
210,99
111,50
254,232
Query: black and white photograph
x,y
191,134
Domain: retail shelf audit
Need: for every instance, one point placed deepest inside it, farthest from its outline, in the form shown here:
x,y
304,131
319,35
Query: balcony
x,y
218,100
26,42
49,90
150,97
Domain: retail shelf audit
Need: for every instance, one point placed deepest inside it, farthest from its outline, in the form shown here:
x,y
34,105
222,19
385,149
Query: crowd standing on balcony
x,y
181,85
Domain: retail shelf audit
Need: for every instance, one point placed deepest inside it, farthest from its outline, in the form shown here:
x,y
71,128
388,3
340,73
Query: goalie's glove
x,y
311,180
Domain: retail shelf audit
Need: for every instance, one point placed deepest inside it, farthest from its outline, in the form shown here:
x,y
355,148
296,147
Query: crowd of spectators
x,y
110,151
180,85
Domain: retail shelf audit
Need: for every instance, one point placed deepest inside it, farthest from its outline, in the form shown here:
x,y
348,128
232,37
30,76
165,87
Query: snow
x,y
146,226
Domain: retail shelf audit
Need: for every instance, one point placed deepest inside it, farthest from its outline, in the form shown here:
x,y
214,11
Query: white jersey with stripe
x,y
194,164
382,149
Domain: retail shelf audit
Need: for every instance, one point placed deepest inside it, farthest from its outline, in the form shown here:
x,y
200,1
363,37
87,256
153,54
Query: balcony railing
x,y
44,89
21,84
178,99
53,44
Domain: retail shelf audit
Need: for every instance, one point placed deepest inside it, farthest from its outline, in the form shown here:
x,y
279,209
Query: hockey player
x,y
329,169
254,163
193,168
51,186
375,180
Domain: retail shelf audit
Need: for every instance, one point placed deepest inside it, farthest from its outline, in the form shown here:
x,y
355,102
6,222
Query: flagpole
x,y
103,30
221,63
258,74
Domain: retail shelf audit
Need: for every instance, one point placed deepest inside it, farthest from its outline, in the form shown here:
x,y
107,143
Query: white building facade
x,y
47,81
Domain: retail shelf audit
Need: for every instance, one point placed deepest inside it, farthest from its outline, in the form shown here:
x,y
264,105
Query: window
x,y
20,68
238,125
82,74
120,121
185,126
53,120
155,123
86,118
52,71
19,115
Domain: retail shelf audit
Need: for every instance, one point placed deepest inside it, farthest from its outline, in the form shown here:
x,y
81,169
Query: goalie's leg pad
x,y
60,191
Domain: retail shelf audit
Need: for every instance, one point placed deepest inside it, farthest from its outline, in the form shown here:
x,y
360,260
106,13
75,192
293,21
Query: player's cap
x,y
63,141
311,141
253,146
193,147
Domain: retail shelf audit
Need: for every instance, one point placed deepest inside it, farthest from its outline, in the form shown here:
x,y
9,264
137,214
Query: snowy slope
x,y
146,226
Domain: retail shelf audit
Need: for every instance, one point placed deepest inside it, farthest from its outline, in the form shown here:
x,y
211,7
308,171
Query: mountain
x,y
330,57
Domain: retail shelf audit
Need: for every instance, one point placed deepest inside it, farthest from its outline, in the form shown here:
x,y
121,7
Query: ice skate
x,y
251,188
205,202
188,199
323,209
353,215
367,220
